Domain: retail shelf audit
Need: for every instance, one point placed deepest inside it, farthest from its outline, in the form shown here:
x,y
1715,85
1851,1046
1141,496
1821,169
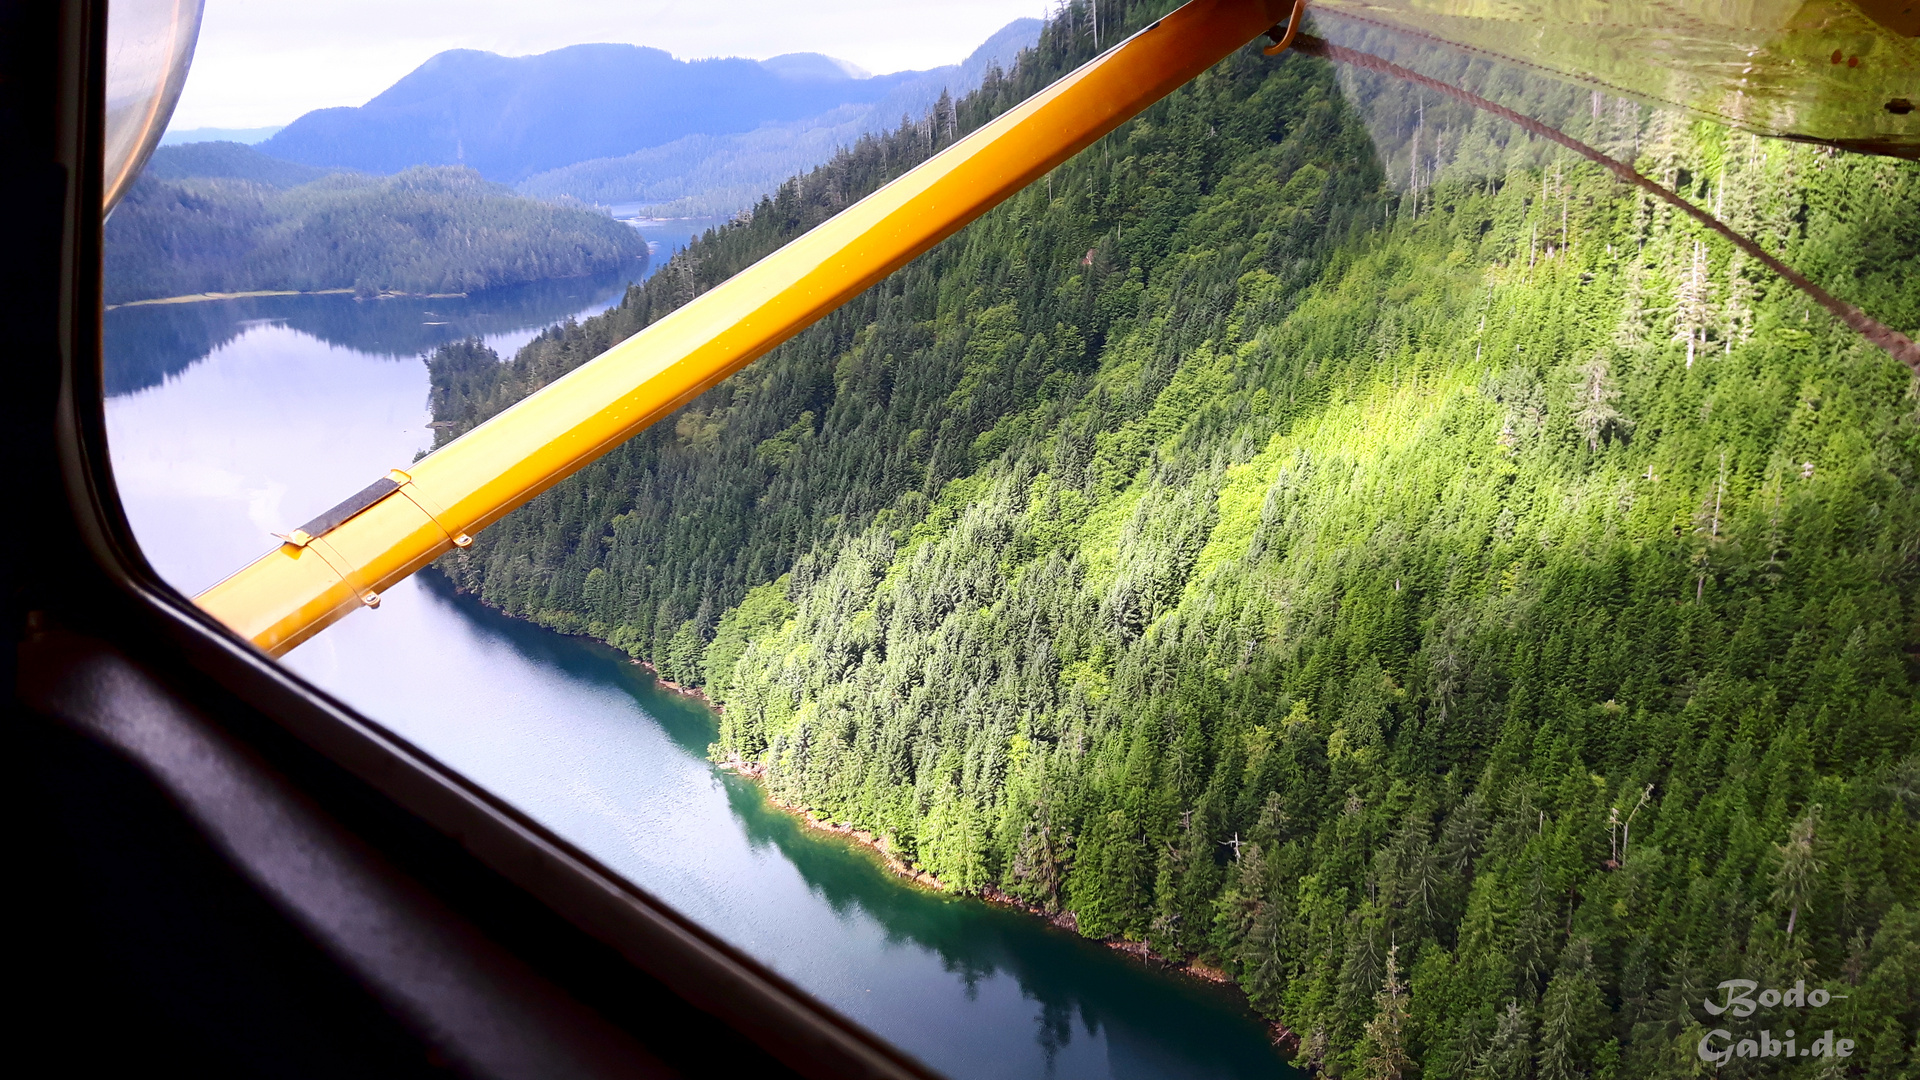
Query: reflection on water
x,y
261,415
147,343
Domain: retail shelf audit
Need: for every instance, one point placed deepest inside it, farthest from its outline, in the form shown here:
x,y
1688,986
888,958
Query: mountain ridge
x,y
245,136
512,117
712,174
226,160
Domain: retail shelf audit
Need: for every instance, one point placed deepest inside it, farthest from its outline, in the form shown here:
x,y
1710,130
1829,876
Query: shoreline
x,y
201,298
1286,1039
758,774
205,297
693,692
1277,1033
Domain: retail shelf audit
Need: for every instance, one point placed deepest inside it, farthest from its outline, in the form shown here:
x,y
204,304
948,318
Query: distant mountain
x,y
708,174
511,117
807,66
705,175
227,161
248,136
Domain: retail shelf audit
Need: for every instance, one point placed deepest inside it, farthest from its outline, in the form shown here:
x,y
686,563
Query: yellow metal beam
x,y
295,591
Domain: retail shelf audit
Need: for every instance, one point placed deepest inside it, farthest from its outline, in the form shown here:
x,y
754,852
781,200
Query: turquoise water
x,y
265,412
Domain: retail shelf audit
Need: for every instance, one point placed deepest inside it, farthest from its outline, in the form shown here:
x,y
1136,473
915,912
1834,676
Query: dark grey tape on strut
x,y
360,500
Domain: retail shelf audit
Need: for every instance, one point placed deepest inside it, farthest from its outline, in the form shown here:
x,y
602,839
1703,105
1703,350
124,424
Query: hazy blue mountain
x,y
512,117
704,175
813,67
227,161
1000,50
249,136
717,173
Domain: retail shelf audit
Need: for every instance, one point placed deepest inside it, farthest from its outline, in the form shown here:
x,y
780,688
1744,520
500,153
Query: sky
x,y
264,62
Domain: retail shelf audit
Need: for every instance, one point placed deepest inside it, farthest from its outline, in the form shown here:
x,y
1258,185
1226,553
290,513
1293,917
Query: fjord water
x,y
233,419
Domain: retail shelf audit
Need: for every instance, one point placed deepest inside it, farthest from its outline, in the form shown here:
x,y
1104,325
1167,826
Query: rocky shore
x,y
1063,920
685,691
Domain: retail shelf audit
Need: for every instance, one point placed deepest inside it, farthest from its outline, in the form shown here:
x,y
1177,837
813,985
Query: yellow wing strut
x,y
300,588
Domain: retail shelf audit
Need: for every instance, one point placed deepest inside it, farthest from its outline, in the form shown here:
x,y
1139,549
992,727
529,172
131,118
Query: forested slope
x,y
1481,619
227,161
260,224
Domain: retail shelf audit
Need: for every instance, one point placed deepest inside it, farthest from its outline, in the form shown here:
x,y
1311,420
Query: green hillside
x,y
229,161
1481,620
252,223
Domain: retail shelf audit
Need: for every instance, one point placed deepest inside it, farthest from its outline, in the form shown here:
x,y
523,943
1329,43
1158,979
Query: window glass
x,y
1323,580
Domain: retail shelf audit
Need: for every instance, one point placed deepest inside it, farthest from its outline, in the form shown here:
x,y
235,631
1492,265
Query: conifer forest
x,y
428,230
1325,536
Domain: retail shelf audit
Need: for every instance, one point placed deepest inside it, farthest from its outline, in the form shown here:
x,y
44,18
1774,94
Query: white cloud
x,y
263,62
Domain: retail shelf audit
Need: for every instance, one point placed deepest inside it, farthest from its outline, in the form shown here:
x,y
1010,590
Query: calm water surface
x,y
234,419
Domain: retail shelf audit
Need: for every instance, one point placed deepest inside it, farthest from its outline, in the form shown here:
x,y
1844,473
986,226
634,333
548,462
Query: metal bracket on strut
x,y
310,535
427,506
1282,36
329,555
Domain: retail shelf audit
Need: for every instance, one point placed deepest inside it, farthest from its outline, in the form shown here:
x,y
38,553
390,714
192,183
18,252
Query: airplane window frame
x,y
106,597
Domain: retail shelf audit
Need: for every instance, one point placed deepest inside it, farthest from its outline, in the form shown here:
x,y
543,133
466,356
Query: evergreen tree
x,y
1794,880
1386,1049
